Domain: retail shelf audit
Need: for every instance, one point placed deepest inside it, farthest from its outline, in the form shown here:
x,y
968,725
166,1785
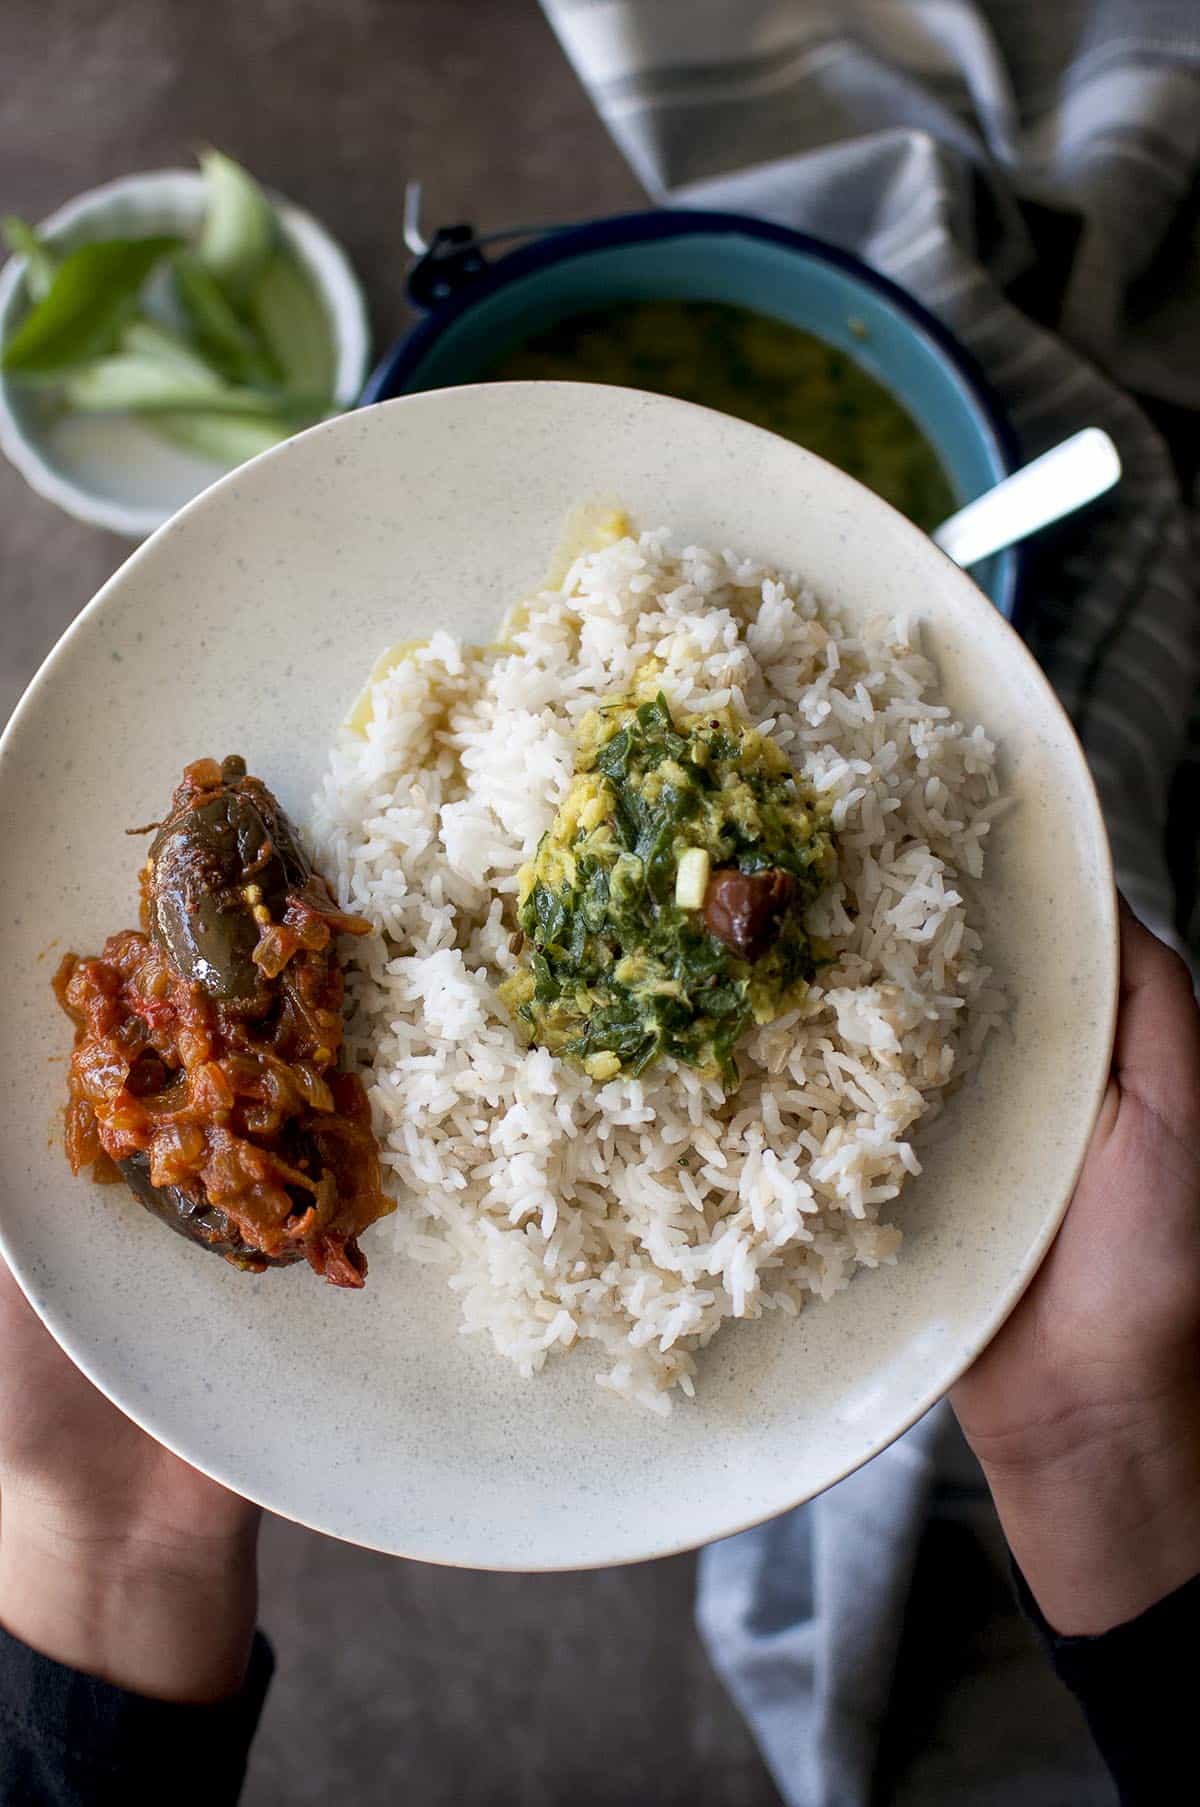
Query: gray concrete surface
x,y
396,1682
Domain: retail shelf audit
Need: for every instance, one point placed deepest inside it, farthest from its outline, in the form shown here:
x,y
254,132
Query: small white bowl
x,y
110,470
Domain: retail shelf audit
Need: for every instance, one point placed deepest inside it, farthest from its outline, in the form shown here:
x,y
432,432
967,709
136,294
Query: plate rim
x,y
1007,1298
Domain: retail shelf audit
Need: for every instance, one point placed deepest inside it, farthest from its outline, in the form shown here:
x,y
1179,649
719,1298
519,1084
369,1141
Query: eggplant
x,y
226,877
220,867
199,1221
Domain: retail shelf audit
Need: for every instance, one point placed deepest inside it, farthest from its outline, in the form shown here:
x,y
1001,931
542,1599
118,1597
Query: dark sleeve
x,y
1137,1687
70,1740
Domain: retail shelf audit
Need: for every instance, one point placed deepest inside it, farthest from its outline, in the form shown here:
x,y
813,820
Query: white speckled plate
x,y
248,624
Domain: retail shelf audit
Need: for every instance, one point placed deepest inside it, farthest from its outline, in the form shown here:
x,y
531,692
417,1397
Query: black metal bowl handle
x,y
454,256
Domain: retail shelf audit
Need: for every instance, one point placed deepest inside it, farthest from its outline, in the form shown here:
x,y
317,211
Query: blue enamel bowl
x,y
478,311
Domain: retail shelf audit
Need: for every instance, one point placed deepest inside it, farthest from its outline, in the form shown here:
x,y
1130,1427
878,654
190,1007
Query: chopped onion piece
x,y
691,878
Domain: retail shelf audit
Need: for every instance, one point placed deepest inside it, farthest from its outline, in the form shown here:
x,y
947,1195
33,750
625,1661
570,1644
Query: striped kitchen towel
x,y
961,146
913,132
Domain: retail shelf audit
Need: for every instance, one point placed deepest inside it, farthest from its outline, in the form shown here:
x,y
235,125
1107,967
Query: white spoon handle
x,y
1056,484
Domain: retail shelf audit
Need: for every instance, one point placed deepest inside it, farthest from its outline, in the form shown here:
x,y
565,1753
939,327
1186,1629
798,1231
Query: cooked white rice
x,y
642,1213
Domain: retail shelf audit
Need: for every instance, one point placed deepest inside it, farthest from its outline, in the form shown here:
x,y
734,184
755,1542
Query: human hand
x,y
115,1557
1085,1409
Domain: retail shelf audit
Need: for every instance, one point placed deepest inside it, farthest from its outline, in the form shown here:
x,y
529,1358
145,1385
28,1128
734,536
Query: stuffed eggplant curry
x,y
205,1066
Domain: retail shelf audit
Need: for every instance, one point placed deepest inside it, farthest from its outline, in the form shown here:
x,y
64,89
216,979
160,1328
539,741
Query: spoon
x,y
1056,484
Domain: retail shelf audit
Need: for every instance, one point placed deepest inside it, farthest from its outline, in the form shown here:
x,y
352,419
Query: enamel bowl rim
x,y
391,373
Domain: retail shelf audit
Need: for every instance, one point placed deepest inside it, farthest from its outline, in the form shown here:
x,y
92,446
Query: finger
x,y
1157,1051
11,1296
13,1302
23,1336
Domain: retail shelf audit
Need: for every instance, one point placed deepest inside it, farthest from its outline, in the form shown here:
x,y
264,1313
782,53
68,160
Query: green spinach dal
x,y
757,369
663,911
